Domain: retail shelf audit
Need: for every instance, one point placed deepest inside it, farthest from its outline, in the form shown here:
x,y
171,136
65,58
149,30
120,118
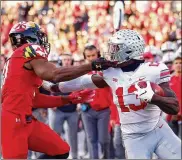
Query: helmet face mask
x,y
119,52
125,45
28,32
43,40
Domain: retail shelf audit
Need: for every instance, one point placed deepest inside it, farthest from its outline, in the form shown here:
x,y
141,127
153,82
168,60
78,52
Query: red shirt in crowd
x,y
175,85
102,98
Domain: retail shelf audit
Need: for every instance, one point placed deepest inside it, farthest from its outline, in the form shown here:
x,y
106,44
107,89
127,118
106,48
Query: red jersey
x,y
175,85
19,84
102,98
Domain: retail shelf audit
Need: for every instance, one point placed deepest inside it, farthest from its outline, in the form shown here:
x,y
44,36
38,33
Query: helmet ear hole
x,y
138,37
128,52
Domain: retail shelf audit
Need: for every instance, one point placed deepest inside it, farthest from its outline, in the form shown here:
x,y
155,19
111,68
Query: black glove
x,y
102,64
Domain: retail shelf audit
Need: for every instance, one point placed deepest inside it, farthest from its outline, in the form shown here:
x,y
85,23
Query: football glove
x,y
144,93
102,64
84,96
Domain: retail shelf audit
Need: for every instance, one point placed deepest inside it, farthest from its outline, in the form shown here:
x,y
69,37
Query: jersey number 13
x,y
129,100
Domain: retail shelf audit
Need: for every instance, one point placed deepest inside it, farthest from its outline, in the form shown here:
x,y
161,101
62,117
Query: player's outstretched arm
x,y
83,82
48,71
168,104
45,101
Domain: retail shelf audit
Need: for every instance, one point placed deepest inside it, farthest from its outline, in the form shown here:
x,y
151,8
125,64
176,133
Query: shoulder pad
x,y
33,51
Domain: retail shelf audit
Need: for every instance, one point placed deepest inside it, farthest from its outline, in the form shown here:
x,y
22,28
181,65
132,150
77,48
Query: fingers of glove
x,y
137,86
83,96
140,92
136,92
87,93
83,100
148,84
89,100
80,93
88,97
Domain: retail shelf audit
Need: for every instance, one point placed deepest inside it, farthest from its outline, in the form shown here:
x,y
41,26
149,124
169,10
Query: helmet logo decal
x,y
21,26
31,24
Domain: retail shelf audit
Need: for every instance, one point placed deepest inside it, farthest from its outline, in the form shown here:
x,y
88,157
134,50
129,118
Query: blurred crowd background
x,y
73,26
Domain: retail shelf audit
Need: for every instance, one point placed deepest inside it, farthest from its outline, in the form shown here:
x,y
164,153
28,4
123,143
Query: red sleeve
x,y
45,101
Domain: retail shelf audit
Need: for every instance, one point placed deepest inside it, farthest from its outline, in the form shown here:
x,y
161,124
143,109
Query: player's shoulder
x,y
155,66
110,71
34,50
158,72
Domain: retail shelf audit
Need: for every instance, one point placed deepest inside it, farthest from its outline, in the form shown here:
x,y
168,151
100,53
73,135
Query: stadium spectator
x,y
78,60
168,48
153,54
3,60
175,121
96,114
116,135
59,115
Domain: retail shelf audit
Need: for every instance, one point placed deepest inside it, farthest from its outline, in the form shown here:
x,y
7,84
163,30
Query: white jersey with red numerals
x,y
135,116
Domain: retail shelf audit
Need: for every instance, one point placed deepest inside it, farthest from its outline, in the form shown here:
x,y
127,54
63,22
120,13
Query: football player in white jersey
x,y
144,131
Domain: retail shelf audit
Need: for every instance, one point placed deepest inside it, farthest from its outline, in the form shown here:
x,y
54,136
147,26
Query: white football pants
x,y
161,141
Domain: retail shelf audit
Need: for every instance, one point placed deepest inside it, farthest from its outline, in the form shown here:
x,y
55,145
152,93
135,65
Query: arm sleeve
x,y
77,84
45,101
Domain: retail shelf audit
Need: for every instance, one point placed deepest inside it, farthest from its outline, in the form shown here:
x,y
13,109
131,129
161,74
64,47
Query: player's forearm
x,y
69,73
80,83
45,101
168,105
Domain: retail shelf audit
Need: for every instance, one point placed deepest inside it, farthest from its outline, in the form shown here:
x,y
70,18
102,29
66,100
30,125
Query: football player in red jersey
x,y
22,74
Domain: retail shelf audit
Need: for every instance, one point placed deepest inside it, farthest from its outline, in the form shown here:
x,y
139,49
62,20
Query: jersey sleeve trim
x,y
164,73
165,79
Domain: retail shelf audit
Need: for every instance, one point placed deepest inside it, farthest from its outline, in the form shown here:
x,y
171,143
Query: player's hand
x,y
102,64
174,117
84,96
112,123
145,94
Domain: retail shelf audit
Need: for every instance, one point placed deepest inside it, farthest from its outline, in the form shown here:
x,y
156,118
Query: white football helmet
x,y
168,46
125,45
154,50
168,57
